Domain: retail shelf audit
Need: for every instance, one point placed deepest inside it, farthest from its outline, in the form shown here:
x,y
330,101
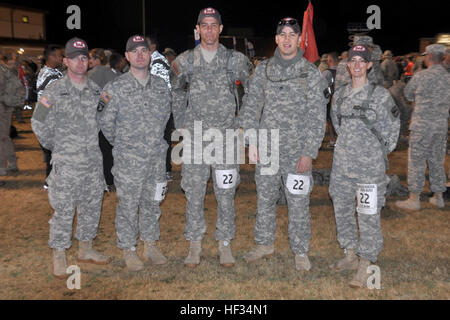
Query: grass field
x,y
414,263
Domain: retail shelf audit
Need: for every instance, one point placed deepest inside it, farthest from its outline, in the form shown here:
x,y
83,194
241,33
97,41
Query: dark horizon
x,y
108,24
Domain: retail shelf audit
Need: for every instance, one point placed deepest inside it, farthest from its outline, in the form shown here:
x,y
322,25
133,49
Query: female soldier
x,y
367,124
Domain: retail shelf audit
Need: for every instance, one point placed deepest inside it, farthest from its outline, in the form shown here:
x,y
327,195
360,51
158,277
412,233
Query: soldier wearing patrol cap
x,y
430,90
375,75
133,113
290,89
389,69
367,124
211,71
65,123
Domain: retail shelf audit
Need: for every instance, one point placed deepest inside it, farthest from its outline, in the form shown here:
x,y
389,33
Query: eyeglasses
x,y
288,22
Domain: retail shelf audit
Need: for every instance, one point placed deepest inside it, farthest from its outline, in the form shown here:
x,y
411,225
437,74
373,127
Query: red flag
x,y
308,43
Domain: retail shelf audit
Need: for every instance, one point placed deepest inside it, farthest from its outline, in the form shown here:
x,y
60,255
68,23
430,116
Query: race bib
x,y
366,196
161,191
298,185
226,179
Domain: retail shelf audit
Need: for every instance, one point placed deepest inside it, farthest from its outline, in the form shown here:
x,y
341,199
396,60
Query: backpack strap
x,y
232,79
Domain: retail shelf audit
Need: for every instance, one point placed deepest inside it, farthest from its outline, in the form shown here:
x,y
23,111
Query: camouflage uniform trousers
x,y
73,188
6,144
194,182
427,147
268,193
343,193
138,211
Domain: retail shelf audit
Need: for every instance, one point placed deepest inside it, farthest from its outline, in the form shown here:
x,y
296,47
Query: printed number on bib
x,y
366,195
226,179
161,191
298,185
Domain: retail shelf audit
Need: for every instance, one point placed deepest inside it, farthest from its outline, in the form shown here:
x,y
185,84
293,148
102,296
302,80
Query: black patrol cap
x,y
76,47
359,50
136,41
209,12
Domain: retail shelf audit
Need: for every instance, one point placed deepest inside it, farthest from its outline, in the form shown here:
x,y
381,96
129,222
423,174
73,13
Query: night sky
x,y
108,24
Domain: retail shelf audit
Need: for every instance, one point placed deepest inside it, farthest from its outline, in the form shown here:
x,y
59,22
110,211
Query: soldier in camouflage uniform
x,y
367,124
291,89
211,71
375,75
133,113
65,123
430,89
389,69
12,93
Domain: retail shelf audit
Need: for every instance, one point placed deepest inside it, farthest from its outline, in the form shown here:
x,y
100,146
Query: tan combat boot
x,y
195,251
226,257
360,279
59,264
258,252
349,262
437,200
132,260
302,262
412,203
153,254
88,255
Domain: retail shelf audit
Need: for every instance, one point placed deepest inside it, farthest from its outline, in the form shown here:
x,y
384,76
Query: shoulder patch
x,y
45,102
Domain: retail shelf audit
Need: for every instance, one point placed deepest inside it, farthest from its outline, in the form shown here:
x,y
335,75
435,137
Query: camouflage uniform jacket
x,y
65,123
133,119
210,98
358,152
291,99
430,89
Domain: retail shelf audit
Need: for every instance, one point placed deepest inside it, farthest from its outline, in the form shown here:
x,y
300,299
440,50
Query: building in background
x,y
22,30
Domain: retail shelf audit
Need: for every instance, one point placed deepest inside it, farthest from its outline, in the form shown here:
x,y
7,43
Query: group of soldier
x,y
286,93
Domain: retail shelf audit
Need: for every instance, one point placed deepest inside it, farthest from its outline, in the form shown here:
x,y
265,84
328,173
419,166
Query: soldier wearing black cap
x,y
133,113
65,123
367,124
211,71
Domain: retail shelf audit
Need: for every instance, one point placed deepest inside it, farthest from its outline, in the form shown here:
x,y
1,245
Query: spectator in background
x,y
446,63
102,74
409,68
323,63
159,66
170,55
117,63
430,90
389,69
99,72
343,56
50,72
